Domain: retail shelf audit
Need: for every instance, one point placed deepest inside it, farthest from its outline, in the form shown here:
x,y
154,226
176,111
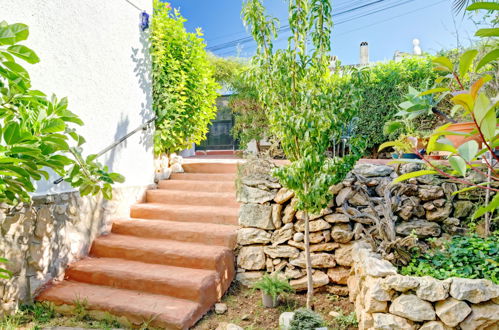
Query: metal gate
x,y
219,136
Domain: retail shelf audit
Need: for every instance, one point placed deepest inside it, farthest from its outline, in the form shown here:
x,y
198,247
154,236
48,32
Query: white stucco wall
x,y
94,52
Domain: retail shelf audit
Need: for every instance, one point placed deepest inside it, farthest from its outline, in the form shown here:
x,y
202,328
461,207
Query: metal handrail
x,y
117,142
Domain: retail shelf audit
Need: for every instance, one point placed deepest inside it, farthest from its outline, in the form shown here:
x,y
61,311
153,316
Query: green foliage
x,y
4,273
383,87
346,321
463,256
184,91
294,87
477,104
305,319
273,285
36,132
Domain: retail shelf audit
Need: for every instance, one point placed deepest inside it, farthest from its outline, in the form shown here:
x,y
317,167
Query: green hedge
x,y
382,89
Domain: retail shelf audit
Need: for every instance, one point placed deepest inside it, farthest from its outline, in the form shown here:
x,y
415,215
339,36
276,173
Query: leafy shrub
x,y
462,256
346,321
306,319
184,91
272,285
382,89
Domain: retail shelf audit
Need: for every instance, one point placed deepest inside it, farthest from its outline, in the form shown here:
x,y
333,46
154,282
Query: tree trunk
x,y
308,262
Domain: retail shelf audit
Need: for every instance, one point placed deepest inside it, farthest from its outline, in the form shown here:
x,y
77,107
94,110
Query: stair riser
x,y
190,198
205,294
219,263
229,217
191,185
171,233
221,177
210,168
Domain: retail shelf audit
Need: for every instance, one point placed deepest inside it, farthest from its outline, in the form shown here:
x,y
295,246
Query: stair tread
x,y
160,251
193,185
169,312
228,195
136,270
204,176
181,282
203,233
186,208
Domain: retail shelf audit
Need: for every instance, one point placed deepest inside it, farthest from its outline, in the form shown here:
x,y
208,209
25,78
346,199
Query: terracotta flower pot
x,y
268,301
466,127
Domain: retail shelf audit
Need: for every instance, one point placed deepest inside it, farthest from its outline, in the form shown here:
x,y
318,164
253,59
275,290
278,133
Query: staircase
x,y
171,261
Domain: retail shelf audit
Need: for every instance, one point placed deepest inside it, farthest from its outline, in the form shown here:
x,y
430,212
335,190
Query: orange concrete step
x,y
192,185
211,214
210,167
191,197
194,232
165,252
204,176
138,307
199,285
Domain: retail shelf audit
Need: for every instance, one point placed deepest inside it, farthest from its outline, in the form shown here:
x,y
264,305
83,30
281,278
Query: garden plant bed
x,y
244,308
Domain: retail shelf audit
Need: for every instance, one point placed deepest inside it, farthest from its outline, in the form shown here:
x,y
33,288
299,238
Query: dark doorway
x,y
219,136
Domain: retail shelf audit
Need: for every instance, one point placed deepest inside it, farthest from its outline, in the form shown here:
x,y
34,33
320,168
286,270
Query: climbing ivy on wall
x,y
184,90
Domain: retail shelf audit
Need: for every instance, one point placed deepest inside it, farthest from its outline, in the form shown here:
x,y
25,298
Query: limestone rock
x,y
439,214
251,258
342,196
371,170
400,283
248,236
284,195
285,320
316,237
338,275
462,208
319,279
289,211
372,305
228,326
421,228
277,215
300,215
281,251
343,255
433,325
428,193
452,311
338,290
378,267
220,308
292,273
298,237
341,233
248,194
432,289
282,235
316,225
377,290
256,215
337,218
473,290
248,278
319,260
385,321
323,247
413,308
483,316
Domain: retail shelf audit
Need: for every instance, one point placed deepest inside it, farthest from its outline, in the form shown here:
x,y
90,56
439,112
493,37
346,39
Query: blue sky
x,y
387,25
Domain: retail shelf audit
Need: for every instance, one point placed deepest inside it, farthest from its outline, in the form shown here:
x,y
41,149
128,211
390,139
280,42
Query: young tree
x,y
295,86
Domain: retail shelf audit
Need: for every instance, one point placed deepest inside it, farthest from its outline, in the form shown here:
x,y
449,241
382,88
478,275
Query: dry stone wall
x,y
41,239
271,237
386,300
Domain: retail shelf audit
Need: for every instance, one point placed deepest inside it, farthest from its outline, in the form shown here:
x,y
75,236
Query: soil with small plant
x,y
246,310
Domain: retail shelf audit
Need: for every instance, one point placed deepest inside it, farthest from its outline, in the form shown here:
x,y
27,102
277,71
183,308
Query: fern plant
x,y
273,286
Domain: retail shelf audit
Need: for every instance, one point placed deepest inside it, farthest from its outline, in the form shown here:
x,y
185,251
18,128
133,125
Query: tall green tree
x,y
184,90
294,86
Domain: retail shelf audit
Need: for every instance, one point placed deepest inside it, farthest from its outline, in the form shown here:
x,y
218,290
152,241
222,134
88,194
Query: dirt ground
x,y
245,309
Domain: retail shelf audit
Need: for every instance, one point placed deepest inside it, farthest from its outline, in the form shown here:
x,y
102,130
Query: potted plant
x,y
271,287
